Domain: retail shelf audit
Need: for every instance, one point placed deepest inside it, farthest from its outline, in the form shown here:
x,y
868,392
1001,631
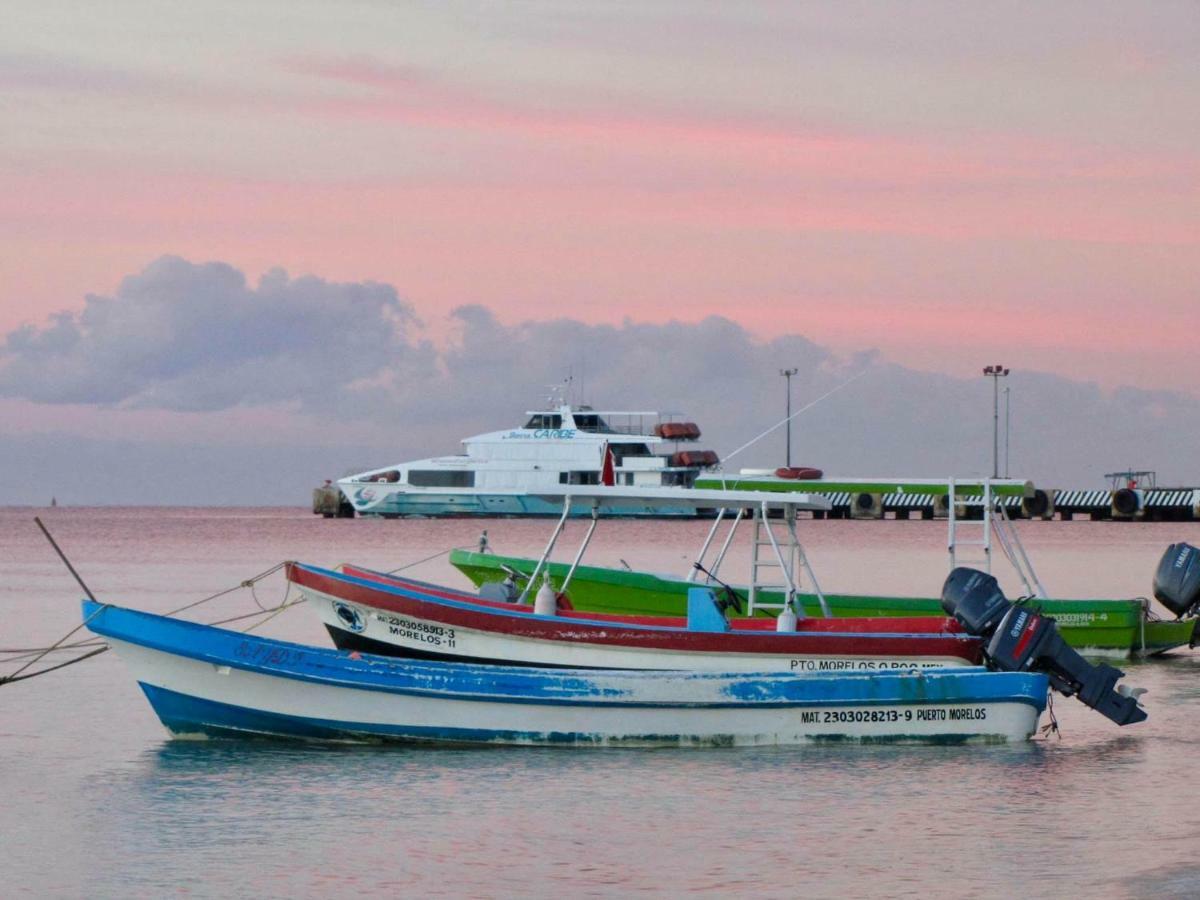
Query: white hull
x,y
296,706
422,638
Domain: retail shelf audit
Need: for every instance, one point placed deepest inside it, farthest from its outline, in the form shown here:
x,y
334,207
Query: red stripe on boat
x,y
517,621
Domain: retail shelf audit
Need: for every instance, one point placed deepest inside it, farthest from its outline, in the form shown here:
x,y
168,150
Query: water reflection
x,y
98,803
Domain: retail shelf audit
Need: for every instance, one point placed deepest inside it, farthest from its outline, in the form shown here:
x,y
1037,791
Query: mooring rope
x,y
283,604
13,677
28,651
1051,727
248,583
786,419
70,662
32,656
445,552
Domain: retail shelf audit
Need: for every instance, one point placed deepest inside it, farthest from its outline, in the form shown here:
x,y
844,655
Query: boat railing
x,y
787,557
994,522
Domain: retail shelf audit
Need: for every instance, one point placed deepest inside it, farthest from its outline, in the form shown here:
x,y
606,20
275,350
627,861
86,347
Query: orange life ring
x,y
802,473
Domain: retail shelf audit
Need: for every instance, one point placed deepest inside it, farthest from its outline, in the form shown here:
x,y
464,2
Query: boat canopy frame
x,y
789,555
787,552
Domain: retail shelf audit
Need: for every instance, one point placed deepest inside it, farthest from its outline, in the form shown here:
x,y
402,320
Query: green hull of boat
x,y
1100,627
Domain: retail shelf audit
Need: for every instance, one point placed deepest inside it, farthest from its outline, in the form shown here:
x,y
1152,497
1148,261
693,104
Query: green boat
x,y
1119,628
764,480
778,564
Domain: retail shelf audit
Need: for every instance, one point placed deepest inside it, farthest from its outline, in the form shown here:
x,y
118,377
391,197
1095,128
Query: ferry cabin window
x,y
620,451
592,422
681,479
441,478
578,477
545,420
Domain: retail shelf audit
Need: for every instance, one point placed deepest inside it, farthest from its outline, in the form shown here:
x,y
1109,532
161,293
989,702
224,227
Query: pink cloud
x,y
622,209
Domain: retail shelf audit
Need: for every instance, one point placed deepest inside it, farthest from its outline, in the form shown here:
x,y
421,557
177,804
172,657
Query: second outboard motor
x,y
1020,639
1177,580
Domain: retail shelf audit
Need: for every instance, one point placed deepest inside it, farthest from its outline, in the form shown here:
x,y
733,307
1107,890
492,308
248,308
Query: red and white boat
x,y
372,612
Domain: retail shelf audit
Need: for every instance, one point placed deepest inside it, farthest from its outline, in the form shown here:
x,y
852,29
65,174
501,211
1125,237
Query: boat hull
x,y
373,612
1117,628
209,682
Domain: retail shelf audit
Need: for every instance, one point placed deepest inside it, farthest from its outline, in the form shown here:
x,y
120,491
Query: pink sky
x,y
963,190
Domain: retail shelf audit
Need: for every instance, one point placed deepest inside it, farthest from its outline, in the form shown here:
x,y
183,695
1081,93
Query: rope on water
x,y
283,604
13,677
70,662
1051,727
248,583
445,552
32,656
21,653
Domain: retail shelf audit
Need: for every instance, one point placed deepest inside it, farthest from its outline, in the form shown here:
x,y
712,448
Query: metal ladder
x,y
788,559
983,542
994,522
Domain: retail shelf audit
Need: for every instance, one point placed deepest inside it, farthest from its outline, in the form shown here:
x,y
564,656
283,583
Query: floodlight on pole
x,y
1007,421
788,373
995,373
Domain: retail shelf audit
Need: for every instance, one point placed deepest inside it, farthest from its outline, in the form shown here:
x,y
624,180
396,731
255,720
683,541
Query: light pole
x,y
788,373
995,373
1006,421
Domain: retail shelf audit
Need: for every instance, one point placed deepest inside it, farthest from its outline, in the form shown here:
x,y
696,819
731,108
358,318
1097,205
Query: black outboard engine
x,y
505,591
1177,580
1020,639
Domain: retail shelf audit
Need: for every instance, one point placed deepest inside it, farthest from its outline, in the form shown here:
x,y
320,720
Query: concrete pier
x,y
1123,504
329,502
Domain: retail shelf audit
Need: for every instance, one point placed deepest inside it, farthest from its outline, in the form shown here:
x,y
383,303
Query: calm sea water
x,y
96,801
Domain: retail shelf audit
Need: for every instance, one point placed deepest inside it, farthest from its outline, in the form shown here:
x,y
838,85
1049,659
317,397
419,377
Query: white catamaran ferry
x,y
500,472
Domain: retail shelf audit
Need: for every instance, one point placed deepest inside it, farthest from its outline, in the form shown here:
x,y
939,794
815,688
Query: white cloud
x,y
185,336
340,376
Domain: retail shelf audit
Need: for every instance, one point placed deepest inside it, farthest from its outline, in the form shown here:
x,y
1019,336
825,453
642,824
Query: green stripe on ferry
x,y
933,487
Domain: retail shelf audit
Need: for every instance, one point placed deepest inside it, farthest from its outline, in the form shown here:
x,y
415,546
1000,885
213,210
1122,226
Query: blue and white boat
x,y
210,682
501,473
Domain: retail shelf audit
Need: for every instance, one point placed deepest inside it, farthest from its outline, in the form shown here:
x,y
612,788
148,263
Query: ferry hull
x,y
398,503
209,682
1116,628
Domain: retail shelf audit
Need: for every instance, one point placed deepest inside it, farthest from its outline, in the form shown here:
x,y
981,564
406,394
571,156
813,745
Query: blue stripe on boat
x,y
508,684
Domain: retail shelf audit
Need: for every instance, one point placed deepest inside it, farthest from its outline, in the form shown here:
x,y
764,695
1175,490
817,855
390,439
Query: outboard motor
x,y
1020,639
1177,580
505,591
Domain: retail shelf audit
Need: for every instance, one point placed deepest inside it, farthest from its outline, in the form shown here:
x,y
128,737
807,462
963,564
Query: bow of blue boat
x,y
305,663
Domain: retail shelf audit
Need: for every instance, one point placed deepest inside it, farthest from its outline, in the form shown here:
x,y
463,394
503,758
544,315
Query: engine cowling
x,y
1177,580
1021,639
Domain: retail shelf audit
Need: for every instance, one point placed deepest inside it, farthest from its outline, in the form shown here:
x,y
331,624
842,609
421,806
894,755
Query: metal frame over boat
x,y
211,682
1117,628
374,612
1114,628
